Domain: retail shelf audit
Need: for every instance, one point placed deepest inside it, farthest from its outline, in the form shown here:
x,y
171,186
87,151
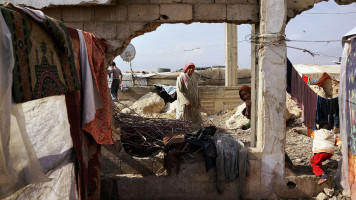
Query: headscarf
x,y
184,76
245,88
247,110
187,66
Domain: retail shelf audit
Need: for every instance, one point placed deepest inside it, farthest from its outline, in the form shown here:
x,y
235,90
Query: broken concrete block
x,y
149,103
170,107
329,192
126,111
322,196
123,104
292,108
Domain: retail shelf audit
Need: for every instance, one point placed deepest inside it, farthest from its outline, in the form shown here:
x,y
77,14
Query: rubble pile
x,y
147,104
237,119
333,194
319,90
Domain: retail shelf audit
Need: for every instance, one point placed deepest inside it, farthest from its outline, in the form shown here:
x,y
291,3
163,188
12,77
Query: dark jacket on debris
x,y
202,139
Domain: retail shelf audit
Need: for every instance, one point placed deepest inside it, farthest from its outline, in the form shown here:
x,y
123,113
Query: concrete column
x,y
230,55
271,94
254,80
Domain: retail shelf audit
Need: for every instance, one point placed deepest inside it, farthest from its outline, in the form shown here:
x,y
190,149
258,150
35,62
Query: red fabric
x,y
86,149
317,162
100,127
187,66
322,79
306,79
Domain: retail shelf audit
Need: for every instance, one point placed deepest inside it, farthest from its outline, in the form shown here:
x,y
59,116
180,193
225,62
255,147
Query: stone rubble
x,y
332,194
149,103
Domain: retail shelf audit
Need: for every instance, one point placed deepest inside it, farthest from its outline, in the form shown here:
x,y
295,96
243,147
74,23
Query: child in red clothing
x,y
323,148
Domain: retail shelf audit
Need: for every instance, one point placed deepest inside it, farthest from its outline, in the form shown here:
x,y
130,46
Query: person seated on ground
x,y
245,95
323,147
188,97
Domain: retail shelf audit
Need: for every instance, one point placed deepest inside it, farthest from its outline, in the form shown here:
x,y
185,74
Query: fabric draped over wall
x,y
86,147
19,164
51,59
44,60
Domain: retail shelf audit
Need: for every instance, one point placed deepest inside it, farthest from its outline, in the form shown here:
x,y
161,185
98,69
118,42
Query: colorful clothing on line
x,y
324,77
327,110
87,151
306,79
305,98
44,60
100,127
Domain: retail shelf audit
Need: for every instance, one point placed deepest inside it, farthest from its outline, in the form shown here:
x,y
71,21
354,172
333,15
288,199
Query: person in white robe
x,y
188,106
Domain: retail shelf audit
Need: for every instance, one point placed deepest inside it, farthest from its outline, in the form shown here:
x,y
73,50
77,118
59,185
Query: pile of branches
x,y
142,136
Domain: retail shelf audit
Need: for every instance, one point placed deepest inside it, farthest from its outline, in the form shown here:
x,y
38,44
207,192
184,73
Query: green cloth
x,y
248,125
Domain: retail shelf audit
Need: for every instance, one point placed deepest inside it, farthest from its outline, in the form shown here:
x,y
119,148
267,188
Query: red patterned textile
x,y
86,149
100,127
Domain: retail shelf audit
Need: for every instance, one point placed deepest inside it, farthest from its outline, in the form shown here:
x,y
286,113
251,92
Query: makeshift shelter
x,y
347,100
50,144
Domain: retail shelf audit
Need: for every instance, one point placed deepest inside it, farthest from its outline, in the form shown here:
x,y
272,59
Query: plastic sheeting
x,y
19,165
343,164
169,89
49,132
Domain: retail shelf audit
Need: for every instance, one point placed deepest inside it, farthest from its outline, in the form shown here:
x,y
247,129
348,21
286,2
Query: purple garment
x,y
305,97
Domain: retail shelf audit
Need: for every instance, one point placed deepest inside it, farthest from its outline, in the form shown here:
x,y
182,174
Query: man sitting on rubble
x,y
116,79
188,107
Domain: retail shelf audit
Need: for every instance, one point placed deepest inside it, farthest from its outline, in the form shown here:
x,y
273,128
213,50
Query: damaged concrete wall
x,y
127,19
38,4
127,177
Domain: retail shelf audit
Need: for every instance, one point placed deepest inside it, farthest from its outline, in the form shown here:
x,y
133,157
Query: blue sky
x,y
173,45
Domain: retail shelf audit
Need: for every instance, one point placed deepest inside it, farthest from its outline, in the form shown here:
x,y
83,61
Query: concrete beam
x,y
230,55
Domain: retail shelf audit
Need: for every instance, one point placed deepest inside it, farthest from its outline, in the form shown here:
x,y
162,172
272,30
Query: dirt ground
x,y
298,146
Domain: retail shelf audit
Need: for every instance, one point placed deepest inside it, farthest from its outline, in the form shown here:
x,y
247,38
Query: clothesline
x,y
314,107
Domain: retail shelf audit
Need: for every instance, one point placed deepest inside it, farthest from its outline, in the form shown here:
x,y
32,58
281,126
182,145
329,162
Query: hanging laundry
x,y
324,77
44,60
327,110
86,118
289,75
100,127
306,79
305,97
312,80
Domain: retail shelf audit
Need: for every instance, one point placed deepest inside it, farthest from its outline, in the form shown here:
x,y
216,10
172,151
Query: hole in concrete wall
x,y
171,46
291,185
164,17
